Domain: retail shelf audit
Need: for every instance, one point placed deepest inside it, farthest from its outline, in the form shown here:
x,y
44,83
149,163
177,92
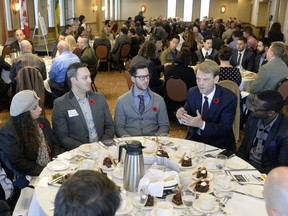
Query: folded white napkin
x,y
154,181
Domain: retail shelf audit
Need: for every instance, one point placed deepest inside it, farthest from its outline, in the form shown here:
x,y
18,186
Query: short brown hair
x,y
208,66
277,48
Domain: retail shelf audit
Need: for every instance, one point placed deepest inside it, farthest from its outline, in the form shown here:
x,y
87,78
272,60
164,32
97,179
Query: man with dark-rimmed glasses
x,y
140,111
265,144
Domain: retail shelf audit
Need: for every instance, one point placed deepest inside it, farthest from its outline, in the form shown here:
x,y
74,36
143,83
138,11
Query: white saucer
x,y
208,178
149,151
254,190
126,210
169,199
58,165
196,205
105,168
53,196
85,148
193,189
141,205
232,164
190,167
117,174
154,212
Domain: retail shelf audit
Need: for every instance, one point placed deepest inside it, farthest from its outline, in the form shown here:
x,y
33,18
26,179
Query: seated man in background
x,y
88,56
57,74
270,74
120,40
265,144
217,106
140,112
81,116
169,54
206,52
20,36
87,193
276,192
261,57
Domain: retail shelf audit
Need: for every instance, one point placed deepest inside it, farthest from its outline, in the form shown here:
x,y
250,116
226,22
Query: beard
x,y
260,52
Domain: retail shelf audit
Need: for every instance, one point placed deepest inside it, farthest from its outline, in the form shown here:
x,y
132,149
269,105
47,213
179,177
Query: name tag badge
x,y
72,113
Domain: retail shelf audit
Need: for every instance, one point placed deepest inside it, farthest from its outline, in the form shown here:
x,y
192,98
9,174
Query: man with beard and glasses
x,y
262,49
265,144
140,112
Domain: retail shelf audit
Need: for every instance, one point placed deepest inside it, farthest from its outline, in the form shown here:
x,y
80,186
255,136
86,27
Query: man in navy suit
x,y
265,144
243,57
210,109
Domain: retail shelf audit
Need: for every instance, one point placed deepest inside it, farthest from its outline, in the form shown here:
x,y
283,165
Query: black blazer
x,y
257,62
248,60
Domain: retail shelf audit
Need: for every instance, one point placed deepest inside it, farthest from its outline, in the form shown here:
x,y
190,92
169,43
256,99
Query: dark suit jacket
x,y
198,56
122,39
72,131
15,45
88,57
275,152
218,130
248,60
257,62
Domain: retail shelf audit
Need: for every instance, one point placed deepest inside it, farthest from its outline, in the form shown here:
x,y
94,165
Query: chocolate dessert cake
x,y
177,199
150,201
202,173
107,162
202,186
186,162
162,153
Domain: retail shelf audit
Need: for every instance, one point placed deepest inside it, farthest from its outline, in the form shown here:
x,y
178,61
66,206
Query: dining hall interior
x,y
44,20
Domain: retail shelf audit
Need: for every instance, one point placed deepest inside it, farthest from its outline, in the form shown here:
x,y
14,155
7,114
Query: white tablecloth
x,y
246,81
238,205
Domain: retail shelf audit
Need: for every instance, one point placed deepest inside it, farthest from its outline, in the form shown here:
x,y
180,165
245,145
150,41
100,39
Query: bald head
x,y
276,192
62,46
19,35
26,46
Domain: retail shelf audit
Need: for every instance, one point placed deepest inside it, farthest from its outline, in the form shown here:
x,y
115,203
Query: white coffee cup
x,y
123,201
164,209
210,163
185,178
150,146
206,202
186,149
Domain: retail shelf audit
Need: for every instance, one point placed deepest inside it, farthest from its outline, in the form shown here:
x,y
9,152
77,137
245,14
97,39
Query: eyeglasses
x,y
142,78
257,109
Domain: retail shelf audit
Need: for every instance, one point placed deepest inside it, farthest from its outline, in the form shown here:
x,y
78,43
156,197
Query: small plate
x,y
231,187
169,199
149,151
196,205
53,196
208,178
126,210
154,212
232,164
88,148
193,189
190,167
254,190
105,168
58,165
117,174
140,205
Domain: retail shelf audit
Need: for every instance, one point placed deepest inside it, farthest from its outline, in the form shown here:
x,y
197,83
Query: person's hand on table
x,y
180,112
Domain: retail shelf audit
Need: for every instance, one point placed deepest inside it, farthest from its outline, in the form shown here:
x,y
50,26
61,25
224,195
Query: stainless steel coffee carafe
x,y
133,164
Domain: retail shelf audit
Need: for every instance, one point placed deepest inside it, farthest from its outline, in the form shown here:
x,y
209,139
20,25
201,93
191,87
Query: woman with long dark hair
x,y
275,33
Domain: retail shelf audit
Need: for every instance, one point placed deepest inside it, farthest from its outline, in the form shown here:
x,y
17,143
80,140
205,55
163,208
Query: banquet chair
x,y
283,90
128,79
124,55
102,53
29,78
175,99
6,51
232,86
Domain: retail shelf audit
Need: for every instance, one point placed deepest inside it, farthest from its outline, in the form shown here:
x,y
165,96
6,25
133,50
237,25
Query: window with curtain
x,y
204,8
171,8
8,15
188,10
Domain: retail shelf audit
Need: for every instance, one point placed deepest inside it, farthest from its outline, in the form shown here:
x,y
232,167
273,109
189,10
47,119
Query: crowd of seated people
x,y
172,48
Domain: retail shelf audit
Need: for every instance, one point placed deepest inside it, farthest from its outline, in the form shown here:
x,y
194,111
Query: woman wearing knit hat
x,y
26,140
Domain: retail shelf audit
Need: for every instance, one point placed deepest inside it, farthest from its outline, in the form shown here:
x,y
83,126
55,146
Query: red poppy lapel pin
x,y
91,101
216,100
41,126
154,109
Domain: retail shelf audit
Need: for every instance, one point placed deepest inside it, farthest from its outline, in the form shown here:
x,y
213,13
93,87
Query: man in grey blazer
x,y
265,144
140,112
270,74
81,116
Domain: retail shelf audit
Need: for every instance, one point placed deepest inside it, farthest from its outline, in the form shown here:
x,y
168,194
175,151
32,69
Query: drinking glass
x,y
199,151
221,162
188,198
219,184
164,139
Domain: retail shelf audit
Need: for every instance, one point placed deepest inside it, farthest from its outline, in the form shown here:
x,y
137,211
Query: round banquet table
x,y
240,204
